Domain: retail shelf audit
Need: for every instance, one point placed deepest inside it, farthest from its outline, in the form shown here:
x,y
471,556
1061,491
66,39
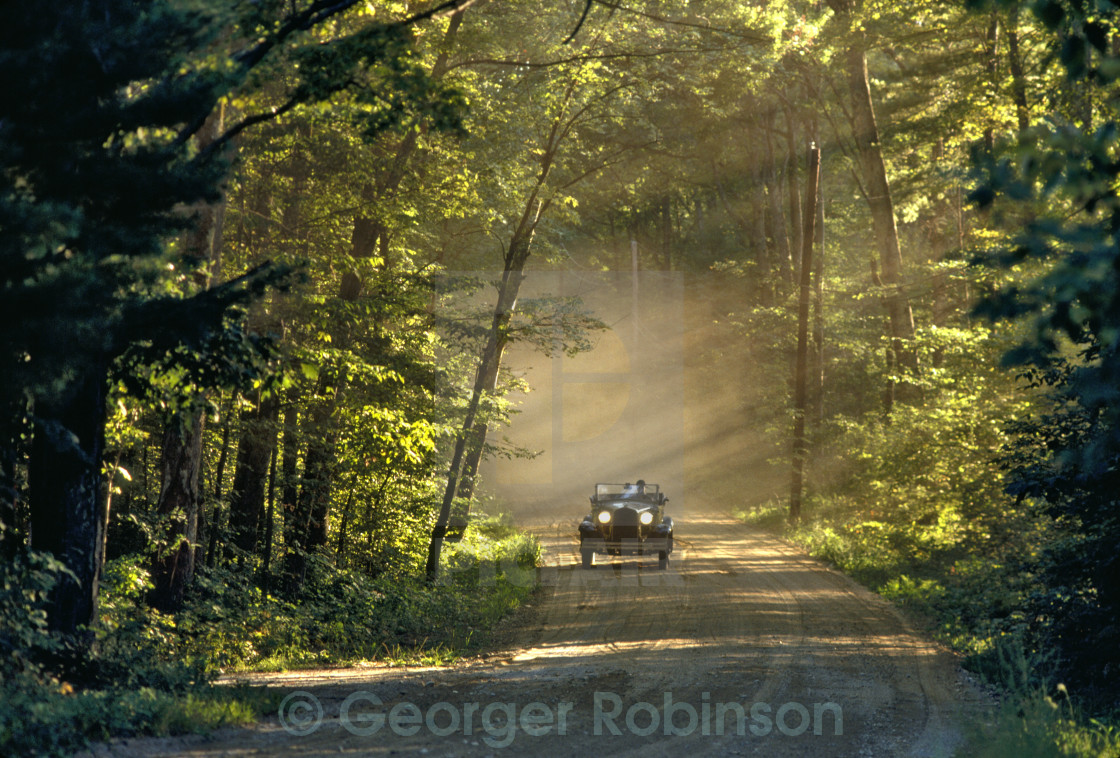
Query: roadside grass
x,y
976,604
54,718
149,673
1037,718
1035,725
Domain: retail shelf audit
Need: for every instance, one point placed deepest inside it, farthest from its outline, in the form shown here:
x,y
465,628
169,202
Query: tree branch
x,y
584,58
750,36
313,15
244,124
579,24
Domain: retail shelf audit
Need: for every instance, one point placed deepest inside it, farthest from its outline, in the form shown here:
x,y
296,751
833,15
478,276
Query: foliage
x,y
97,170
1038,717
914,507
376,154
345,616
53,702
1059,277
37,719
151,672
24,638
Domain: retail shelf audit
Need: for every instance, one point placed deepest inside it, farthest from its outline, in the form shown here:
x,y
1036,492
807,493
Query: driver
x,y
636,489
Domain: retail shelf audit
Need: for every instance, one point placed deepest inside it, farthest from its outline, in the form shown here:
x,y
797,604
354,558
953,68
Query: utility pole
x,y
801,371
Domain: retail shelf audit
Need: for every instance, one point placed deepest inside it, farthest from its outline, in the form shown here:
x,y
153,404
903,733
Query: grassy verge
x,y
149,673
977,606
38,718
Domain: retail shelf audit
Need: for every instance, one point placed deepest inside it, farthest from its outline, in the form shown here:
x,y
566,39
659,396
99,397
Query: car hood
x,y
634,505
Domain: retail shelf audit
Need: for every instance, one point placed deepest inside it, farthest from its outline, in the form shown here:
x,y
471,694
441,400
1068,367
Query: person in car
x,y
635,490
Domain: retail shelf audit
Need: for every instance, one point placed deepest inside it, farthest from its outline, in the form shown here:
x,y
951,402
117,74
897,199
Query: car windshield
x,y
624,491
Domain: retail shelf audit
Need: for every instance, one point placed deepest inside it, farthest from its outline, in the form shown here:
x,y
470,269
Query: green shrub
x,y
56,695
150,673
25,643
343,615
1037,718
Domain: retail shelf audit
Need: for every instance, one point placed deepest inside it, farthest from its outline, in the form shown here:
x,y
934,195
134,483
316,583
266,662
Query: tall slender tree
x,y
865,132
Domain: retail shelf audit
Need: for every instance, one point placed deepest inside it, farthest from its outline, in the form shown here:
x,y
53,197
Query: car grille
x,y
625,524
621,532
625,517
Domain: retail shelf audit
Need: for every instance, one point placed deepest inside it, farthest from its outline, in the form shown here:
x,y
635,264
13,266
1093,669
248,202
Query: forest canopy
x,y
241,368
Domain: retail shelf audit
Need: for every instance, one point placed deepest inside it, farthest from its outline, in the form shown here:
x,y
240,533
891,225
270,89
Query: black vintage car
x,y
626,519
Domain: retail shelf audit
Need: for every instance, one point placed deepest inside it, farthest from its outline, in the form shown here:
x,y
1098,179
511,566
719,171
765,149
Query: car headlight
x,y
604,517
646,518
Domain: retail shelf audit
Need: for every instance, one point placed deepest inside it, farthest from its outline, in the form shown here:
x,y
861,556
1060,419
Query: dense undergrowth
x,y
154,674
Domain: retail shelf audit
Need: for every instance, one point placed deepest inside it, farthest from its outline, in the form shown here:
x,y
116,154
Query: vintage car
x,y
626,519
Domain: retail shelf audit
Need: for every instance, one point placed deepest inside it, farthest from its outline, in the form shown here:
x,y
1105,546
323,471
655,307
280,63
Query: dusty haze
x,y
664,395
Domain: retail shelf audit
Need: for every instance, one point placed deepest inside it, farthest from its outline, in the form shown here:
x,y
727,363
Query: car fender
x,y
665,527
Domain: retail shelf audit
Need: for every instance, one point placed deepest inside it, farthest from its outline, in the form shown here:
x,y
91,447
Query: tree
x,y
97,125
801,369
562,102
181,456
877,191
1060,275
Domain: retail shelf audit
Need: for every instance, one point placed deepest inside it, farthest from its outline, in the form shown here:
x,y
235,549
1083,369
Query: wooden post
x,y
801,372
634,295
818,313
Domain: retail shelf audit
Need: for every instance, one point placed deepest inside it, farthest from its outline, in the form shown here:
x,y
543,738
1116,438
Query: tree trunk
x,y
794,191
173,565
219,479
344,523
269,520
877,188
763,256
489,363
992,53
881,205
289,471
517,254
295,518
65,484
779,239
486,380
476,443
667,232
1018,78
319,497
246,506
818,310
488,367
315,487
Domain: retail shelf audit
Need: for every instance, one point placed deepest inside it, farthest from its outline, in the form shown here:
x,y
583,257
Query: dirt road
x,y
743,647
